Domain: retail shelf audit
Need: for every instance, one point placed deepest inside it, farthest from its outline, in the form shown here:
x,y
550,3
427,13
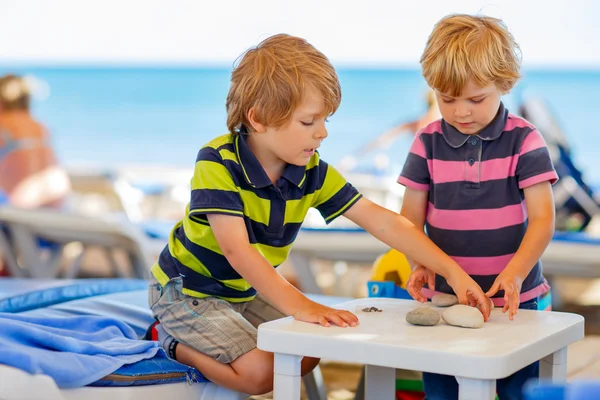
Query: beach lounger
x,y
575,254
24,257
124,300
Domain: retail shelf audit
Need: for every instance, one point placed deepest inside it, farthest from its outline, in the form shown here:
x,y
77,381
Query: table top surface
x,y
498,349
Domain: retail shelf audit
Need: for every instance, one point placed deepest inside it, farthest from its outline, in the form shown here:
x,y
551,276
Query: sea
x,y
112,116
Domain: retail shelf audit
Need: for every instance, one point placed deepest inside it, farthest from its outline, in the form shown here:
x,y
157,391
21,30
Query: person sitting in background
x,y
30,175
385,139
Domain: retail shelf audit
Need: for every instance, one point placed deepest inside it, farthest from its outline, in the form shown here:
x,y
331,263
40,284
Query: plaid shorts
x,y
215,327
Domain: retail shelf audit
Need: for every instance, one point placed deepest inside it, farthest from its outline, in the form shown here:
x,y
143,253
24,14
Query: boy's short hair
x,y
272,78
463,46
14,93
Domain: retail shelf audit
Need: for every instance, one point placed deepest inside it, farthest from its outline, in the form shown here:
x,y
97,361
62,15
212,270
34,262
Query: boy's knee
x,y
308,364
255,371
258,381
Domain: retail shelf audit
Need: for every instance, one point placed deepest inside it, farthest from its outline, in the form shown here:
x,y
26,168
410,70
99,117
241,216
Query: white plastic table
x,y
384,341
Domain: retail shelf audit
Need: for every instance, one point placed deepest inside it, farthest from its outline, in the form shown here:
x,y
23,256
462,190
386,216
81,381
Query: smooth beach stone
x,y
425,316
464,316
444,300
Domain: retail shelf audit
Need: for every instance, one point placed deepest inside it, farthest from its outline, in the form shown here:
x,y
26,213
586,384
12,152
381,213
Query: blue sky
x,y
551,33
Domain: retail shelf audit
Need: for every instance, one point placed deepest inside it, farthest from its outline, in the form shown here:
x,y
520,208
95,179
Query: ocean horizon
x,y
109,115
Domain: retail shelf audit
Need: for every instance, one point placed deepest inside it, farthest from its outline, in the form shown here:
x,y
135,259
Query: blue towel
x,y
74,351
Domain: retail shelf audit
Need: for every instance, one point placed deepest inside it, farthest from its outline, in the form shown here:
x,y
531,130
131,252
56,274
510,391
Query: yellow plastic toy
x,y
391,266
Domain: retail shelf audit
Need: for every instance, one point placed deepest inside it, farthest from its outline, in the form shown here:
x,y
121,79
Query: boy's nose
x,y
462,111
321,133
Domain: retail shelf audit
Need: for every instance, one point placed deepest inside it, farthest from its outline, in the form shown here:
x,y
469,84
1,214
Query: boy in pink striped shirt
x,y
479,180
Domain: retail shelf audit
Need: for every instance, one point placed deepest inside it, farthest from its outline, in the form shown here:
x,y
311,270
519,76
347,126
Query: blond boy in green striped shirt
x,y
215,282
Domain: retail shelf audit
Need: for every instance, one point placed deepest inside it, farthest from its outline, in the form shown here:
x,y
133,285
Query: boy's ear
x,y
256,126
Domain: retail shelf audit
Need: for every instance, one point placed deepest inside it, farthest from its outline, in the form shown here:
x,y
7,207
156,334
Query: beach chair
x,y
24,257
122,299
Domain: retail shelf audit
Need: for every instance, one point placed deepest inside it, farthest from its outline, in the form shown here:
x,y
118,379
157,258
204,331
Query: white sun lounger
x,y
124,299
22,229
568,254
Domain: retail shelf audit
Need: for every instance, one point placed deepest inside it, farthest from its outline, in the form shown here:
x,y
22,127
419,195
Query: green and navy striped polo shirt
x,y
228,179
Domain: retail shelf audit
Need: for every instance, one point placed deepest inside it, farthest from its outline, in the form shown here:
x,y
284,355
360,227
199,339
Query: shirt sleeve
x,y
534,165
213,188
415,173
335,195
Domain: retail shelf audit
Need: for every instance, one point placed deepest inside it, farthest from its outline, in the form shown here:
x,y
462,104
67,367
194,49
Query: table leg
x,y
286,382
380,383
554,366
476,389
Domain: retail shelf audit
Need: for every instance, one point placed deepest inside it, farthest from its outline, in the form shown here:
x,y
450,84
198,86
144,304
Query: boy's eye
x,y
477,101
448,101
306,123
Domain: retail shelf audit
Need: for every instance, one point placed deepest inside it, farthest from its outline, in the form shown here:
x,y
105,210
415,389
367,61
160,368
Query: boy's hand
x,y
511,284
317,313
417,280
470,293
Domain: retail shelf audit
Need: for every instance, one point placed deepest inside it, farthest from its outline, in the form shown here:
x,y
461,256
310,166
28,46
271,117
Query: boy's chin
x,y
468,131
300,162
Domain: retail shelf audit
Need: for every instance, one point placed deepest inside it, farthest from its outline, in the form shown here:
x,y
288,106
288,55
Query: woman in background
x,y
388,137
30,176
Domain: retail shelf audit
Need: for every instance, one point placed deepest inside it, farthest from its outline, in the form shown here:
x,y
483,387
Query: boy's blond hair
x,y
462,47
272,78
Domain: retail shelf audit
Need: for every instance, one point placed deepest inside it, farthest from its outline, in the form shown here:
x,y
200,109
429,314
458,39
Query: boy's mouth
x,y
310,151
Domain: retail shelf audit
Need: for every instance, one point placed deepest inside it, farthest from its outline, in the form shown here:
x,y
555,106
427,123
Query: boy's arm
x,y
535,174
401,234
232,237
540,209
414,207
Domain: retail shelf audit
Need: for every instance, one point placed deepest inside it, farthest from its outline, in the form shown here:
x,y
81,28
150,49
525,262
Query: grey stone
x,y
425,316
463,316
444,300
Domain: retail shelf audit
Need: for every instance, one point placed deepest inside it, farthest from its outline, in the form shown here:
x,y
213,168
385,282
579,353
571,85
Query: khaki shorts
x,y
215,327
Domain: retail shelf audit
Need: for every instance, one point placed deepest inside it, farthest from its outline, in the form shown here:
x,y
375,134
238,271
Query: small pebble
x,y
463,316
444,300
425,316
371,309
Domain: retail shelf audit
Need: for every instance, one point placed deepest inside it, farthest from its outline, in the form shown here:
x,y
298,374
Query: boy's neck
x,y
273,165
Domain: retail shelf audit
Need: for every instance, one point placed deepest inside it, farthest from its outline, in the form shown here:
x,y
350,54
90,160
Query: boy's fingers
x,y
349,318
493,290
484,304
336,319
514,304
507,292
322,320
462,298
431,280
415,294
413,287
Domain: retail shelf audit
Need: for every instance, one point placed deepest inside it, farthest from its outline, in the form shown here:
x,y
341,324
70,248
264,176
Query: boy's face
x,y
296,142
473,110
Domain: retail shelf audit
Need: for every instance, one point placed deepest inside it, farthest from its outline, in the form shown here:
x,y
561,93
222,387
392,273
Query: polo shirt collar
x,y
254,172
491,132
